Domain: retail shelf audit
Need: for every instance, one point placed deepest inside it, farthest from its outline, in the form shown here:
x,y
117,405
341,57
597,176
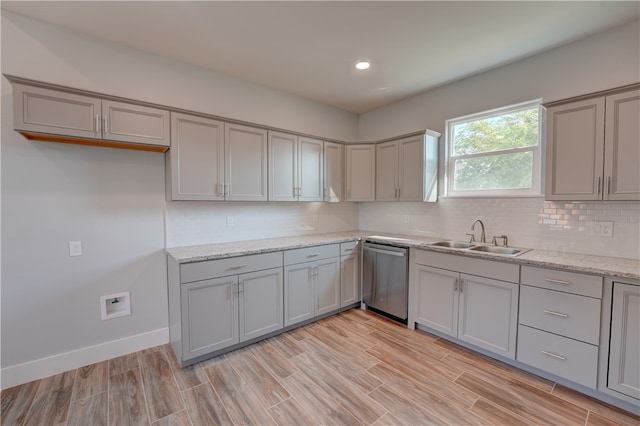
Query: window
x,y
495,153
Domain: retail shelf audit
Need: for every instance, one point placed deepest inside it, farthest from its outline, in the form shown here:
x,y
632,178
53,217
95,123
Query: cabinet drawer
x,y
568,358
309,254
568,282
566,314
467,265
197,271
352,247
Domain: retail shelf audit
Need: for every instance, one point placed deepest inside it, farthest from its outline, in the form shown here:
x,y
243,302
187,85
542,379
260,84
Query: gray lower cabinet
x,y
624,350
72,118
349,273
559,325
216,304
209,316
311,282
479,310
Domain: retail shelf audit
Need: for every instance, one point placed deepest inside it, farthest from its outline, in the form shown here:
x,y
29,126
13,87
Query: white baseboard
x,y
59,363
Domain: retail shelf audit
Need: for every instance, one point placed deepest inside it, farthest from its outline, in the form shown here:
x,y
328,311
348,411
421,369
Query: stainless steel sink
x,y
508,251
453,244
464,246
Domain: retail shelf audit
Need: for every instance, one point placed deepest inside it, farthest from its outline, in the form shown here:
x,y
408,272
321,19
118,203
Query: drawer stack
x,y
559,324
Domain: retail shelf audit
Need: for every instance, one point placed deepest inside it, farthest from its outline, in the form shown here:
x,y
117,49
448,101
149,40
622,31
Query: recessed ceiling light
x,y
363,65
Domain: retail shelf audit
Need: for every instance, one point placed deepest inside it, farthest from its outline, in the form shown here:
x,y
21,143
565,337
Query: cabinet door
x,y
298,293
361,176
283,166
624,353
49,111
261,308
209,316
622,147
310,167
246,163
349,280
333,172
134,123
489,314
387,171
575,149
411,169
196,158
437,294
327,285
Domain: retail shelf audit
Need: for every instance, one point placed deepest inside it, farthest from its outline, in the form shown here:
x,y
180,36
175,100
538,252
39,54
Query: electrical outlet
x,y
230,221
75,248
602,229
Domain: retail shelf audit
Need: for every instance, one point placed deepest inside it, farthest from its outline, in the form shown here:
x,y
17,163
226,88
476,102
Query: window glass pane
x,y
512,130
504,171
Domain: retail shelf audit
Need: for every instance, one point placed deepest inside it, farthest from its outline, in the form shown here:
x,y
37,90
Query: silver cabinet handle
x,y
455,285
233,268
348,249
551,354
226,189
608,185
558,314
461,285
552,281
106,124
98,129
313,255
598,186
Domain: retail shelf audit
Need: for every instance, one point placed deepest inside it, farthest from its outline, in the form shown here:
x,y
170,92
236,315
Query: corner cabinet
x,y
480,308
624,350
333,191
295,168
58,116
407,169
361,172
593,146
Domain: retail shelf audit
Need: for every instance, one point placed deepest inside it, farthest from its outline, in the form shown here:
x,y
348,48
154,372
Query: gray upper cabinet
x,y
593,146
246,163
333,172
361,172
50,111
134,123
407,169
196,158
58,116
295,168
622,146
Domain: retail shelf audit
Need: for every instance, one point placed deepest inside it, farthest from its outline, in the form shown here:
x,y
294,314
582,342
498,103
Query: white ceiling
x,y
310,48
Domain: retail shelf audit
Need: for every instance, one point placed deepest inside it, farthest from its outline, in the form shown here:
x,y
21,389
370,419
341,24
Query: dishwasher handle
x,y
389,252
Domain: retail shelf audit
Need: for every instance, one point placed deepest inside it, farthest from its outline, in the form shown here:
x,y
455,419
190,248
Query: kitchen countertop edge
x,y
576,262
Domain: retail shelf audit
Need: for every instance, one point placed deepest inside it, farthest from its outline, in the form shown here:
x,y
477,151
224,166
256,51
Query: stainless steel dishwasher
x,y
384,279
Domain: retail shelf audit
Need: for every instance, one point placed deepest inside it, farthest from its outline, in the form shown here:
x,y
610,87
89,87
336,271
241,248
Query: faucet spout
x,y
483,238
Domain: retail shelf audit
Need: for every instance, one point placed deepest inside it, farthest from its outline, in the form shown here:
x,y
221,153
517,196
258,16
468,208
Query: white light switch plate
x,y
75,248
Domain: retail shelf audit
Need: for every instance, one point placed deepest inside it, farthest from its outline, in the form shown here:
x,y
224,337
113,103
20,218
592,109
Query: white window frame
x,y
536,182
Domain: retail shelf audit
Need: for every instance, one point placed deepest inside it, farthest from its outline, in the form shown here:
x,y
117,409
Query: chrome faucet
x,y
483,239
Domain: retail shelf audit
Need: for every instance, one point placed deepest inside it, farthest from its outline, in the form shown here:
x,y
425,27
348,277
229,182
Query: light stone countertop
x,y
590,264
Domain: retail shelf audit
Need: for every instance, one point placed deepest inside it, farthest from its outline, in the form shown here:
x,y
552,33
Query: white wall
x,y
603,61
114,200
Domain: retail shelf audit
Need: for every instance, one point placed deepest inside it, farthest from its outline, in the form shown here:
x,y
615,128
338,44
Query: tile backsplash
x,y
194,223
528,222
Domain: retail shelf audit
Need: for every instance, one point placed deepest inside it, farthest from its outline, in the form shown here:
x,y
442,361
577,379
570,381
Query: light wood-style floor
x,y
353,368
